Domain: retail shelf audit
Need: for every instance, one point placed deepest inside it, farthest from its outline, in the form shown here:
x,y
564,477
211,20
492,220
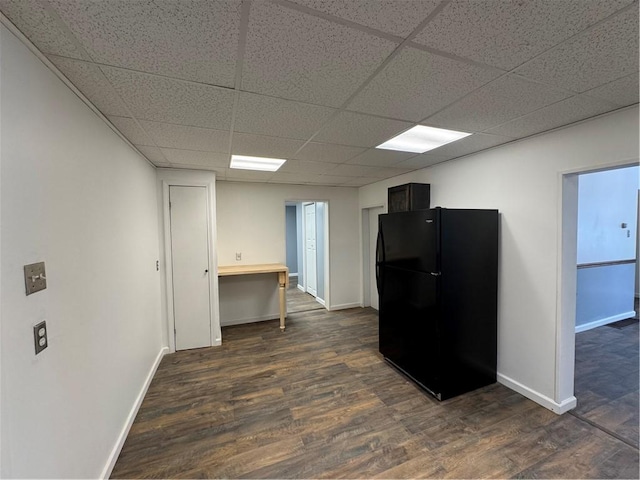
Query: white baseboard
x,y
293,274
604,321
301,288
321,301
242,321
344,306
115,452
546,402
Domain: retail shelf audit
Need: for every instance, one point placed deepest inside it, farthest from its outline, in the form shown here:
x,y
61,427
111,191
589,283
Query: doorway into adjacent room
x,y
307,256
599,297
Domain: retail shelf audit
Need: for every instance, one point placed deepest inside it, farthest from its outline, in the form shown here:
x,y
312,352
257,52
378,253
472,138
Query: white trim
x,y
117,448
321,301
293,274
604,321
344,306
301,288
559,408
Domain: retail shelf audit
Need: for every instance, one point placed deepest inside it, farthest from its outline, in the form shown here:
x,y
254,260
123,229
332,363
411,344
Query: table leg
x,y
282,283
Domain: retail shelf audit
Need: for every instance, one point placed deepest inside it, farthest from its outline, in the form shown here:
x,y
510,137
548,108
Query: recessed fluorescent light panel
x,y
256,163
420,139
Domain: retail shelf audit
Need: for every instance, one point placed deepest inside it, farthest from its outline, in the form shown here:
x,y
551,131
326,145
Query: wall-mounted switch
x,y
40,337
35,278
238,256
623,225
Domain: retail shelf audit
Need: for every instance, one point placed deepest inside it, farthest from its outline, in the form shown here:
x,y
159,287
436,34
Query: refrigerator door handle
x,y
379,259
436,274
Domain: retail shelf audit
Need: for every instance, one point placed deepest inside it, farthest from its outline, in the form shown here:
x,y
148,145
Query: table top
x,y
226,270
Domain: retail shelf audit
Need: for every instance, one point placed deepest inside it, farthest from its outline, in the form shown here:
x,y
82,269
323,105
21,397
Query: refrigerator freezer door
x,y
409,240
409,313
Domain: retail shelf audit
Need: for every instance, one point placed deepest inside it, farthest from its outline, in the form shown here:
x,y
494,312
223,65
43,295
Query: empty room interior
x,y
319,239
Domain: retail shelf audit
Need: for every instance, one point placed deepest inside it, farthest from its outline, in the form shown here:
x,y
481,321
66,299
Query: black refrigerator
x,y
437,274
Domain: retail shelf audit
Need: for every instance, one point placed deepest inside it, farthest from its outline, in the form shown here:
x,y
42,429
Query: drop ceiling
x,y
322,82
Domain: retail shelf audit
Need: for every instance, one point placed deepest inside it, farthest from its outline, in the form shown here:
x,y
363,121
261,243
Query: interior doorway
x,y
598,250
190,266
307,256
369,240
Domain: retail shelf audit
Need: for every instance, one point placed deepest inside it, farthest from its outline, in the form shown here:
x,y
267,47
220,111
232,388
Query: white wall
x,y
251,220
77,197
523,180
605,201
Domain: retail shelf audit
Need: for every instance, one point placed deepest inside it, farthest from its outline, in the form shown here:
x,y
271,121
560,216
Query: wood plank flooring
x,y
606,379
299,301
318,401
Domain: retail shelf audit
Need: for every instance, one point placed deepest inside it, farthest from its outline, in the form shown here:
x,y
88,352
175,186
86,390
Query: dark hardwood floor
x,y
606,379
317,401
299,301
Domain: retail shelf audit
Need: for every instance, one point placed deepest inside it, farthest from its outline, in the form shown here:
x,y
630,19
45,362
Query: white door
x,y
190,266
373,237
310,268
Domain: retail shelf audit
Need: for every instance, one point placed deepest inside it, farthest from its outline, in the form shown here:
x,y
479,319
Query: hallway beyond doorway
x,y
299,301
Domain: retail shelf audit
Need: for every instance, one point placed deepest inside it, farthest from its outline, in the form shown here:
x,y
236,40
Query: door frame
x,y
327,248
305,263
567,244
365,258
216,331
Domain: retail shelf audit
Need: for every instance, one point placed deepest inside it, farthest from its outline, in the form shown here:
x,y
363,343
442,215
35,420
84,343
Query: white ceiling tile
x,y
375,157
562,113
350,128
306,167
280,118
263,146
236,174
192,39
190,138
297,56
470,144
326,152
505,34
501,100
384,15
293,177
330,180
388,172
360,181
130,129
423,160
195,157
600,55
416,84
348,170
163,99
153,154
89,79
623,91
42,28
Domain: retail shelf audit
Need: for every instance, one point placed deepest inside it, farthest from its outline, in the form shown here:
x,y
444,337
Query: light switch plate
x,y
35,278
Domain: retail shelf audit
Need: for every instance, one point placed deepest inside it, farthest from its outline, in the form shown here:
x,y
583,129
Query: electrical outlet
x,y
238,256
40,337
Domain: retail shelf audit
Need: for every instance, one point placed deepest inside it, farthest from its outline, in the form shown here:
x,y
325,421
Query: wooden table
x,y
280,269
